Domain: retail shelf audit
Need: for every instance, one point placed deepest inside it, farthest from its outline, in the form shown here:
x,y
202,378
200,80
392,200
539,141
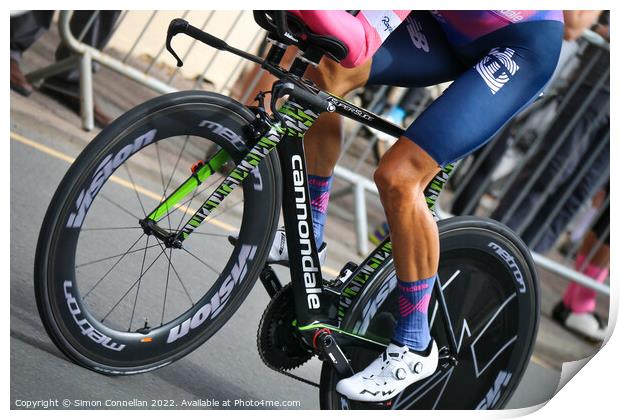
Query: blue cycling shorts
x,y
494,77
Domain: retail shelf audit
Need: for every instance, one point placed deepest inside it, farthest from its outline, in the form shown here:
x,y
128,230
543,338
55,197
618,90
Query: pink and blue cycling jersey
x,y
498,61
464,26
364,33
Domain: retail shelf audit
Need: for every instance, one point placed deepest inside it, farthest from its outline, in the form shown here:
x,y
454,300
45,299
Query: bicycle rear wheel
x,y
489,283
119,301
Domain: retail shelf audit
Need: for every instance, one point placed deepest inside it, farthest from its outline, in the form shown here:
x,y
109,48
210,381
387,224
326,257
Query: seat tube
x,y
304,264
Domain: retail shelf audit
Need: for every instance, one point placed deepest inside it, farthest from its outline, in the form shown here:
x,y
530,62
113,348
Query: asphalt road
x,y
227,367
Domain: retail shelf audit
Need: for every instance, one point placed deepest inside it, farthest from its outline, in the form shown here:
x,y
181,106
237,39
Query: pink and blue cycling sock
x,y
412,327
319,187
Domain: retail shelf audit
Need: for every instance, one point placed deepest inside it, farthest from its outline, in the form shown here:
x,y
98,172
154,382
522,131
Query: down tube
x,y
304,264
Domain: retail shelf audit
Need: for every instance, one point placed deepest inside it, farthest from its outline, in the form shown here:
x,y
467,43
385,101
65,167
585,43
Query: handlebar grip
x,y
206,38
181,26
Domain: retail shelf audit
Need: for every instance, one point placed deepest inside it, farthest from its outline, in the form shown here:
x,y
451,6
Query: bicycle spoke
x,y
119,206
112,268
201,260
209,234
178,277
111,228
177,163
131,287
161,173
112,256
135,302
135,189
163,309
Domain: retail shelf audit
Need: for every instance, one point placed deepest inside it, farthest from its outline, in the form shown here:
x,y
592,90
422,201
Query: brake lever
x,y
175,27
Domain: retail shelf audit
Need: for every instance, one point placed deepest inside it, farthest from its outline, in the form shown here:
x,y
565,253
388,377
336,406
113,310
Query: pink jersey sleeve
x,y
362,34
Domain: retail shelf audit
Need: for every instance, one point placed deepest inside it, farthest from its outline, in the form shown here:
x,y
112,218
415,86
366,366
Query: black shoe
x,y
18,81
67,93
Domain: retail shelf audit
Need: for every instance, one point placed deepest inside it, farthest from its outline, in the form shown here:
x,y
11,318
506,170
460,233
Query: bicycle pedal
x,y
383,405
446,359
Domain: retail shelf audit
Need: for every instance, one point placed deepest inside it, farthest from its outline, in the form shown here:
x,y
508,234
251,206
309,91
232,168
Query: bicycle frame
x,y
317,307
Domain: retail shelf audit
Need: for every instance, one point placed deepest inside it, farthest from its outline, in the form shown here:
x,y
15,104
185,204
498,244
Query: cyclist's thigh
x,y
512,66
416,54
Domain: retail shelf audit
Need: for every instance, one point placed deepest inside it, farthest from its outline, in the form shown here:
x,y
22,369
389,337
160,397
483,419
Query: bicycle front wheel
x,y
489,283
112,296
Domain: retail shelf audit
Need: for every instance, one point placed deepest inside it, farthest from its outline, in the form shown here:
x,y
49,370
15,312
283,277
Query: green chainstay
x,y
319,325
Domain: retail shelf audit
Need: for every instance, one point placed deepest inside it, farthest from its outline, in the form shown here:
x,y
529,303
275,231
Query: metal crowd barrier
x,y
357,147
580,175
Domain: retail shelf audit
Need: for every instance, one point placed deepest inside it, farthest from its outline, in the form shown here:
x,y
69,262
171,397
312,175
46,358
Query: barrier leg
x,y
86,92
53,69
361,220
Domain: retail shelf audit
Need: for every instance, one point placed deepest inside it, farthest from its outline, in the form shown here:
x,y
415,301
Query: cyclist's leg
x,y
323,141
465,117
479,102
417,55
362,34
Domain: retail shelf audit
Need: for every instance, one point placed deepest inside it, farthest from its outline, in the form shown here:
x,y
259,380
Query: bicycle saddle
x,y
291,30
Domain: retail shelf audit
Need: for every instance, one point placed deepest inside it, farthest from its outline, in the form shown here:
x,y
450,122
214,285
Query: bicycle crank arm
x,y
270,281
331,352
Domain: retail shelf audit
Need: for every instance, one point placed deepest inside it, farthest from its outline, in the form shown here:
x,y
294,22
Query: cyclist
x,y
499,62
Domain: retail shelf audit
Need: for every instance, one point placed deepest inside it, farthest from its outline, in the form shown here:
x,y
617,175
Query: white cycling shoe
x,y
279,251
389,374
278,254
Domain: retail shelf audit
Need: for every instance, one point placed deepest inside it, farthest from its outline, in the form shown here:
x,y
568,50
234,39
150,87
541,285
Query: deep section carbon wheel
x,y
113,295
489,283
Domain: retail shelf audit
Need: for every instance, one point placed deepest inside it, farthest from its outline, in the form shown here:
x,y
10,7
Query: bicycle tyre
x,y
465,243
67,320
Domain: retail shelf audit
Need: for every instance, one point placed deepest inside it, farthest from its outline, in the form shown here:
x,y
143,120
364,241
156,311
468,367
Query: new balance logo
x,y
417,37
497,68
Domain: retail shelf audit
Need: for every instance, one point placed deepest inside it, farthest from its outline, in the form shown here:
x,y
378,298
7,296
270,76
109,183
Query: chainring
x,y
279,343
